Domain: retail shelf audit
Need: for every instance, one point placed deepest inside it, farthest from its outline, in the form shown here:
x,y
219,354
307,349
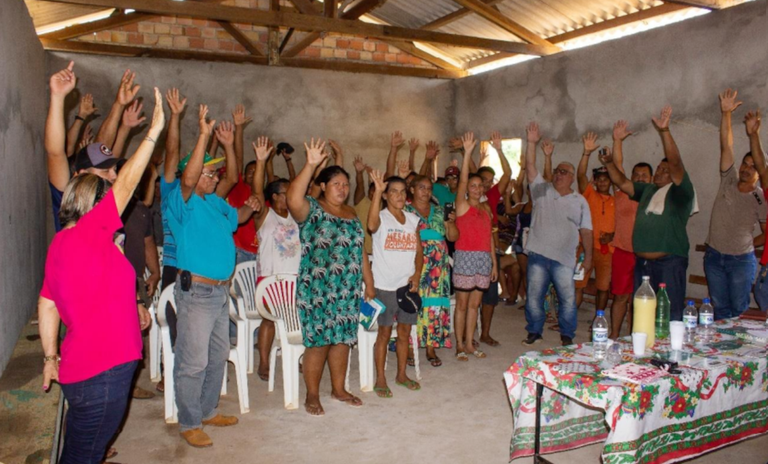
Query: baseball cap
x,y
601,171
95,155
408,301
207,160
452,171
283,146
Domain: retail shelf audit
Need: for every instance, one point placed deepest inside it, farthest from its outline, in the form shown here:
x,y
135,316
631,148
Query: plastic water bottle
x,y
690,317
599,336
706,319
662,312
644,316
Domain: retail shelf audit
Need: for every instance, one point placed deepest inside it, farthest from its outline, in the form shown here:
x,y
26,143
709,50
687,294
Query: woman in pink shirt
x,y
91,287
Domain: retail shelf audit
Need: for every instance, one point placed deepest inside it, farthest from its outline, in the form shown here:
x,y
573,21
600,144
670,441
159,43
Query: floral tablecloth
x,y
720,397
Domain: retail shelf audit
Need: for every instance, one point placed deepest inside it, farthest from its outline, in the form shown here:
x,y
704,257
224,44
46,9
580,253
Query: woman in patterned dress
x,y
434,324
333,267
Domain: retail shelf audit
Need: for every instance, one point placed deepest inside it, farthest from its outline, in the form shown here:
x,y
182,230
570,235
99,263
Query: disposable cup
x,y
676,334
638,343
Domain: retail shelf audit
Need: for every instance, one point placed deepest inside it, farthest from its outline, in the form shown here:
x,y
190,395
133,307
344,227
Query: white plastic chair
x,y
244,286
279,292
365,341
171,412
238,355
154,336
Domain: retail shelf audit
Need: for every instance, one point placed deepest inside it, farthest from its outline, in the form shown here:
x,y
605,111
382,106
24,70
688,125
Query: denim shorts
x,y
393,312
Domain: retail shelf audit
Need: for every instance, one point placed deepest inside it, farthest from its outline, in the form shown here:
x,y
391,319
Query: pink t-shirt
x,y
94,288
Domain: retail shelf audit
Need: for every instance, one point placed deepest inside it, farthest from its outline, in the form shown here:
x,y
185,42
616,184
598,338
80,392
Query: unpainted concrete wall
x,y
685,64
23,208
287,104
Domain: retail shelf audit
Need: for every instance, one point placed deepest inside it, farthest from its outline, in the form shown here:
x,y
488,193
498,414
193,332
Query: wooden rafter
x,y
641,15
494,16
130,51
706,4
241,38
455,16
312,23
273,38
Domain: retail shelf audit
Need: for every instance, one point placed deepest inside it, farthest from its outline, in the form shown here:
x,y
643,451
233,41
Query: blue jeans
x,y
729,278
96,409
670,270
541,272
761,288
201,351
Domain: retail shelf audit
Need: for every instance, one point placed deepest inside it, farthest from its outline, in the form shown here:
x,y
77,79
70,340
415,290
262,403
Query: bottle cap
x,y
600,313
662,285
706,300
646,277
691,303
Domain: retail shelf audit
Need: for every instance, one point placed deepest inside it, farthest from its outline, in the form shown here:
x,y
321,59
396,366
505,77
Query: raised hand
x,y
127,91
468,141
532,132
377,177
63,81
359,165
87,138
728,102
496,141
86,107
662,122
590,143
158,115
413,144
547,147
239,117
254,203
206,128
397,139
752,122
334,145
483,153
132,115
403,168
606,157
433,149
455,143
174,101
225,133
262,148
315,152
621,130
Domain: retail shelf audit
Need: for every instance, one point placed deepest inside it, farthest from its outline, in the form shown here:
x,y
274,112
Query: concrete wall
x,y
685,64
23,189
287,104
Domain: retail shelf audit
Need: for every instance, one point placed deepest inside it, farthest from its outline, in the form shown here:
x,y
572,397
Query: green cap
x,y
207,161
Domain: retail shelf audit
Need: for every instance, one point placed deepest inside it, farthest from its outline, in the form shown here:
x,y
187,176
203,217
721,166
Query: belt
x,y
206,280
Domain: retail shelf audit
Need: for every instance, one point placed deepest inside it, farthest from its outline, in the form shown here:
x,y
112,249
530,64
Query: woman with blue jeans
x,y
91,287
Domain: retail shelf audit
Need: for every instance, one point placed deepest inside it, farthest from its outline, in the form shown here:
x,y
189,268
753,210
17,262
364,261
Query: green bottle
x,y
662,312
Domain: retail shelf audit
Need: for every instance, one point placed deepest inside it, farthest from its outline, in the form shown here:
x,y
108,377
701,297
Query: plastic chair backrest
x,y
244,284
165,298
279,291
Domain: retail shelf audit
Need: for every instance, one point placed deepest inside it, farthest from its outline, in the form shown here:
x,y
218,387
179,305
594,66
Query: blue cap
x,y
706,300
691,303
600,313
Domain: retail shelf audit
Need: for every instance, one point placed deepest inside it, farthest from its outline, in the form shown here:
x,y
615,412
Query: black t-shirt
x,y
137,220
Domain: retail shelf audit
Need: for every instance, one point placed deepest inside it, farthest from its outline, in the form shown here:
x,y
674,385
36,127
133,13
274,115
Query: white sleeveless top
x,y
279,245
394,250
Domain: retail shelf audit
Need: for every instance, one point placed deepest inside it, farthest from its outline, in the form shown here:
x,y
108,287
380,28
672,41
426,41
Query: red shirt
x,y
245,235
764,258
493,196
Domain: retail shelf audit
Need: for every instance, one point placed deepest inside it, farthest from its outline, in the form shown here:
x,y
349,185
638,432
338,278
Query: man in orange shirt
x,y
602,208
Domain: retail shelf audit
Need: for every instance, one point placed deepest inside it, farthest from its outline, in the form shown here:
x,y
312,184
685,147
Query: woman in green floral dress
x,y
333,266
434,324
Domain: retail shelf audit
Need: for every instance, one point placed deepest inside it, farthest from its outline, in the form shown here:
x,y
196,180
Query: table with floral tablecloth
x,y
720,397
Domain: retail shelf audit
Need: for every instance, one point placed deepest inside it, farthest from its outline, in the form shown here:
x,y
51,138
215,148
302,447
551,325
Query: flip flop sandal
x,y
410,385
353,401
411,362
383,392
491,343
462,356
479,354
435,362
320,411
264,377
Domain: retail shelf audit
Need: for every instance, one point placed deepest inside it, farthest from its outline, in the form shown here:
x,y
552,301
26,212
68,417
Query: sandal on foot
x,y
383,392
314,410
490,342
264,377
435,362
411,362
478,354
352,400
410,385
462,356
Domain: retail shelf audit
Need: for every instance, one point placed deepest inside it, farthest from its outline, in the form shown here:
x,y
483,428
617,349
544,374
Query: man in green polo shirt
x,y
660,239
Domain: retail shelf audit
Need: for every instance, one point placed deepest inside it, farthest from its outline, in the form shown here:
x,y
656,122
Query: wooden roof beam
x,y
711,5
241,38
455,16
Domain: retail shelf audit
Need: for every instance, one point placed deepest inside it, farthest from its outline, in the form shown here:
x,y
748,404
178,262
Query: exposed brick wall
x,y
183,33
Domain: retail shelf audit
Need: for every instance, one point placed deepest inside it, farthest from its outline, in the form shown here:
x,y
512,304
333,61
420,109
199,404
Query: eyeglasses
x,y
210,175
562,172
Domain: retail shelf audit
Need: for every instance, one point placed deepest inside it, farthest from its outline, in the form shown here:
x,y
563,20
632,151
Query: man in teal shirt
x,y
447,194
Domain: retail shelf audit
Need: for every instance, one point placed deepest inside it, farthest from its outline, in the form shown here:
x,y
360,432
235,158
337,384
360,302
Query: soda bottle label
x,y
690,322
599,335
706,319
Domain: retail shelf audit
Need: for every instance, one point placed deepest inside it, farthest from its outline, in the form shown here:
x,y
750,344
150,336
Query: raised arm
x,y
620,132
172,143
262,148
752,125
225,133
548,148
148,197
84,111
289,165
131,118
395,142
338,153
194,168
61,84
374,220
617,177
433,149
298,204
413,145
131,173
506,169
728,104
125,95
589,140
671,152
469,143
359,181
240,120
532,136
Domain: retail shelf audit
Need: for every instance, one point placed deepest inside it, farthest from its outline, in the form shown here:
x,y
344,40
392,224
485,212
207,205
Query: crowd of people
x,y
411,240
